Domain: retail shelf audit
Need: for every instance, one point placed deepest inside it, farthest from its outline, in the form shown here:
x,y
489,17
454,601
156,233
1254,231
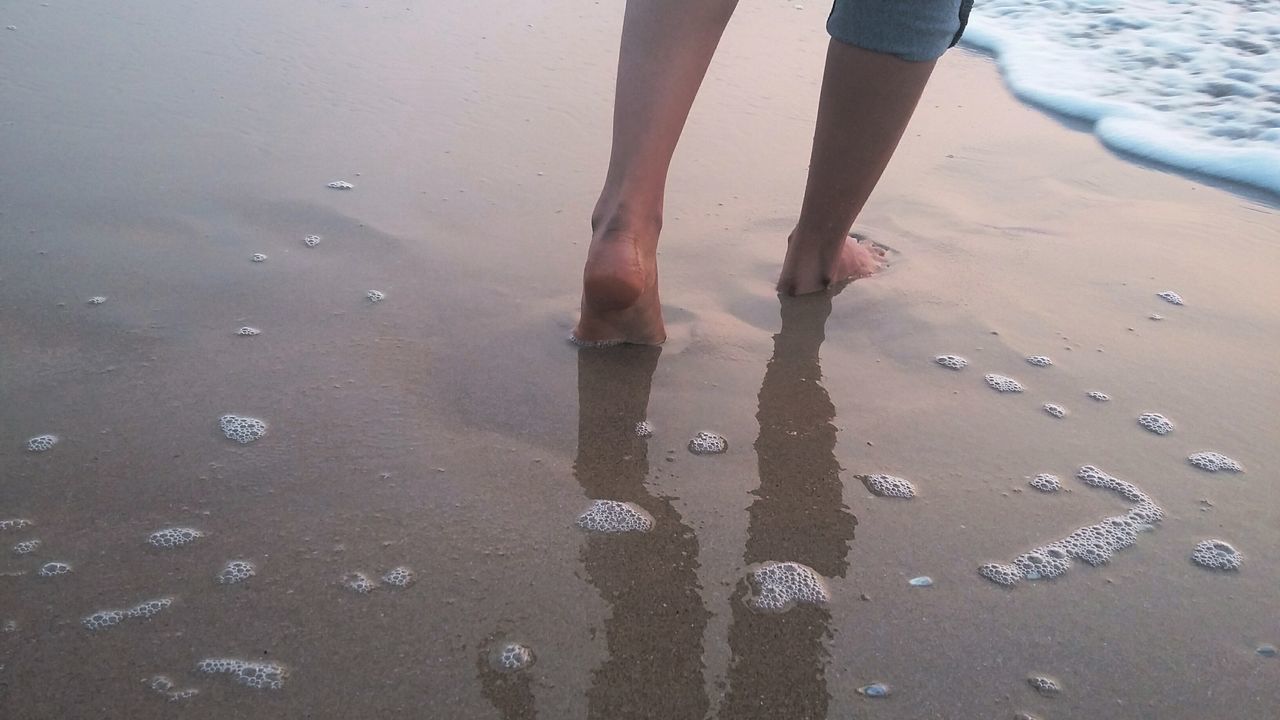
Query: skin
x,y
866,101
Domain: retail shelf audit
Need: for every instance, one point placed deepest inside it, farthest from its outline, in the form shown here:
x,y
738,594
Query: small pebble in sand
x,y
875,690
1268,650
922,581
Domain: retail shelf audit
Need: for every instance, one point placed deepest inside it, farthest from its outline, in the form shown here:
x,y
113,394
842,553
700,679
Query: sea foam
x,y
1194,85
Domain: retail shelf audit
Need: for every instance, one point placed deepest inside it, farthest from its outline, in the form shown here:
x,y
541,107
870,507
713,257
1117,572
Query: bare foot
x,y
806,270
620,291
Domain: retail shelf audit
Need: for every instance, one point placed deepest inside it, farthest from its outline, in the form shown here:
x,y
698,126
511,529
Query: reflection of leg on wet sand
x,y
778,664
657,616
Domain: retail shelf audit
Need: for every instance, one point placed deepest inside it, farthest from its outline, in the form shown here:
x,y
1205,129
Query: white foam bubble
x,y
1156,423
1007,575
15,524
41,443
1004,384
1044,482
1191,85
1047,562
376,296
611,516
1045,685
511,657
588,344
1217,554
340,185
163,685
644,429
96,300
311,240
889,486
248,331
1039,360
236,571
400,577
243,430
173,537
954,362
1214,462
258,257
1098,395
110,618
779,586
1170,297
260,675
358,582
26,547
1055,410
53,569
708,443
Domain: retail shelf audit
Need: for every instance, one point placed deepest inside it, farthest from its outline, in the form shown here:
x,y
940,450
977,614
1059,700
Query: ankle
x,y
626,218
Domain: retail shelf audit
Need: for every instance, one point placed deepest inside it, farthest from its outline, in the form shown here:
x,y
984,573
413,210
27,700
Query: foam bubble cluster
x,y
97,300
376,296
258,257
401,577
708,443
311,240
1217,554
1004,384
612,516
236,571
1055,410
26,547
512,657
955,362
1156,423
1006,575
1093,544
644,429
163,685
1214,462
1044,685
9,626
779,586
173,537
243,430
264,676
248,331
358,582
1039,360
53,569
340,185
1044,482
1098,395
14,524
1170,296
889,486
110,618
41,443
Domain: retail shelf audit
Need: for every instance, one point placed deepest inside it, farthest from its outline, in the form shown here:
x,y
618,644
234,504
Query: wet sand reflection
x,y
657,615
779,661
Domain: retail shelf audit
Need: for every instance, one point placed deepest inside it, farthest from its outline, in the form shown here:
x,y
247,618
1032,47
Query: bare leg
x,y
867,99
666,48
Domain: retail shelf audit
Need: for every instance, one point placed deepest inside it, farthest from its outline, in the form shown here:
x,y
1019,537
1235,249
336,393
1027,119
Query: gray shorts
x,y
914,30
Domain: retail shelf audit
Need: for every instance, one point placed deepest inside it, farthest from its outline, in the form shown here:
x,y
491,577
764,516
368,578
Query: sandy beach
x,y
151,149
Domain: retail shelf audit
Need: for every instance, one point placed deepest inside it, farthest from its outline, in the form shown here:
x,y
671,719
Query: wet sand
x,y
150,150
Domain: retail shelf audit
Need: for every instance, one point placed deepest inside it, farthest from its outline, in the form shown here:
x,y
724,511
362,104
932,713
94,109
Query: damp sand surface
x,y
449,430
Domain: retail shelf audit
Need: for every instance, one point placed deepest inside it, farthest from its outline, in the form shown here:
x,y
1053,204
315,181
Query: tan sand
x,y
149,150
